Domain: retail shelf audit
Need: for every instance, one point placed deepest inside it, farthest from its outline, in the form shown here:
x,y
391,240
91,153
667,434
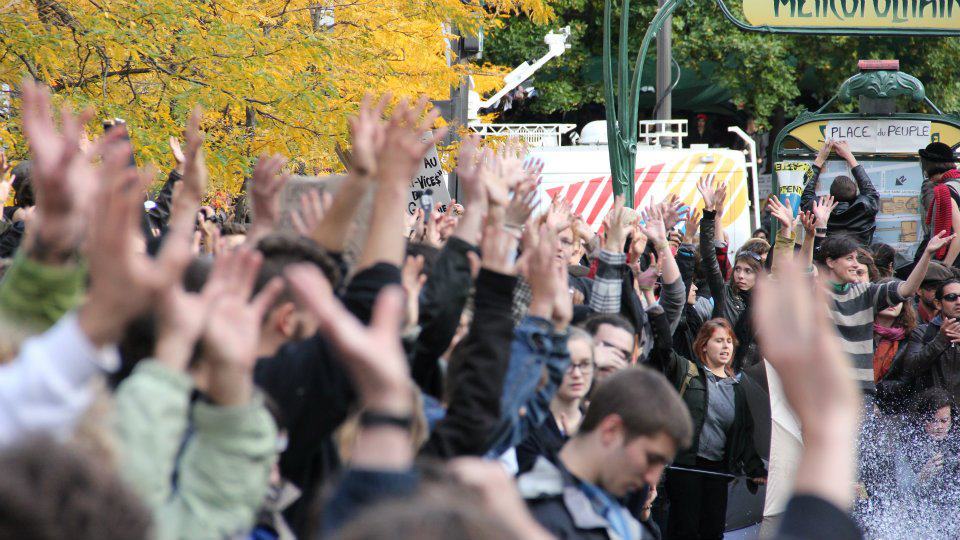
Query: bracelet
x,y
661,245
374,419
821,230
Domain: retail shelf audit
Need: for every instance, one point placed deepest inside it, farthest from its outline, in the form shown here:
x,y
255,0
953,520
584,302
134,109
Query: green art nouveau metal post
x,y
621,92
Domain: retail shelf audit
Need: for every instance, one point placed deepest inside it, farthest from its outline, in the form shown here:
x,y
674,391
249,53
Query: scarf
x,y
941,202
886,349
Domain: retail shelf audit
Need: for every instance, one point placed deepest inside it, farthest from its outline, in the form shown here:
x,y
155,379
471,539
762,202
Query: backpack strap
x,y
692,372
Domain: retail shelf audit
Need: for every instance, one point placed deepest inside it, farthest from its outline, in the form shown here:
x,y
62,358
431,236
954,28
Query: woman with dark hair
x,y
723,427
731,298
867,271
884,256
891,339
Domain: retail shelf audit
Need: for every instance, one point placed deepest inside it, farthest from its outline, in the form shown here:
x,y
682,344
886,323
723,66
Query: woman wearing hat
x,y
940,196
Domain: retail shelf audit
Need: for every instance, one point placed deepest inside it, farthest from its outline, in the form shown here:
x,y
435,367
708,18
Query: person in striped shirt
x,y
854,305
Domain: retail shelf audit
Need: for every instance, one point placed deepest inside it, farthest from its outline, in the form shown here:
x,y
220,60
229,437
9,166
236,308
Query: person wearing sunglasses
x,y
937,360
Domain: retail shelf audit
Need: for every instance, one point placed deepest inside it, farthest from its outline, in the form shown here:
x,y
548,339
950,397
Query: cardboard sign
x,y
880,136
430,176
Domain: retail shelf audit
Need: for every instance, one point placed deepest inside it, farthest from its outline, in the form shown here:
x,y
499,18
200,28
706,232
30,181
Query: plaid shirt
x,y
608,283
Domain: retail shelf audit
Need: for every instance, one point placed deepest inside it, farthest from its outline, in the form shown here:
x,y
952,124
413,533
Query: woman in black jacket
x,y
731,298
891,340
723,428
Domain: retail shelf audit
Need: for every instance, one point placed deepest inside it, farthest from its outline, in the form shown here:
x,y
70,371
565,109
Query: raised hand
x,y
265,186
560,215
313,206
617,224
709,191
532,169
368,133
405,142
502,172
232,333
824,153
178,158
124,282
498,248
693,226
822,209
936,242
5,166
638,243
672,210
653,227
193,169
373,354
809,222
721,204
843,150
783,214
522,204
64,178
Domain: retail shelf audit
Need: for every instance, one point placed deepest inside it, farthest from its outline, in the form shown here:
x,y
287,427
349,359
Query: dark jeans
x,y
698,502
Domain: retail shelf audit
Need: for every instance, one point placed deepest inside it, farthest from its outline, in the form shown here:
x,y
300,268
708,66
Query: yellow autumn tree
x,y
273,76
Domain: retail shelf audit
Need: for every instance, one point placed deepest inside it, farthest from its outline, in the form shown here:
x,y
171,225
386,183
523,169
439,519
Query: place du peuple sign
x,y
857,16
888,135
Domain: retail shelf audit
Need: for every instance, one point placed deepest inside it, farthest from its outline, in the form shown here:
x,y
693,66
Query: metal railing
x,y
536,135
662,133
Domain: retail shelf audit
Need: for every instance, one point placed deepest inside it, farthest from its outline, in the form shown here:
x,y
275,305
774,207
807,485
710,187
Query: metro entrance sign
x,y
856,16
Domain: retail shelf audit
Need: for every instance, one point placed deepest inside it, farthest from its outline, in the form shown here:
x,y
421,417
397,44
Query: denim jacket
x,y
535,345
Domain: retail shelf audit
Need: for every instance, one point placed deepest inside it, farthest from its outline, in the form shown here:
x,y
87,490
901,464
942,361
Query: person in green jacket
x,y
723,428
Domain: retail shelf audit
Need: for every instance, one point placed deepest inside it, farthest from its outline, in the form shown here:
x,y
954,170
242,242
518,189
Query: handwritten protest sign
x,y
430,176
880,136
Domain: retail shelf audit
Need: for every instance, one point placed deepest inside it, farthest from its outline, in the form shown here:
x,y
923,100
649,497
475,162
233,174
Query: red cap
x,y
701,116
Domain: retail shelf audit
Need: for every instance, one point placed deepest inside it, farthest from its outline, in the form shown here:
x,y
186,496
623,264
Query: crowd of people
x,y
488,371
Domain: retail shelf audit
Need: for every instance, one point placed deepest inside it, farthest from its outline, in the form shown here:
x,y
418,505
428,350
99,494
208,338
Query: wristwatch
x,y
374,419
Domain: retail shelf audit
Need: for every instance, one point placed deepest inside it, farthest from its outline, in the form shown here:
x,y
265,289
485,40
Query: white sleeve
x,y
49,385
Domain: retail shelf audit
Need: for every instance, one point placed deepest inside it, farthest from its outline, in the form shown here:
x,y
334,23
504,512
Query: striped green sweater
x,y
853,312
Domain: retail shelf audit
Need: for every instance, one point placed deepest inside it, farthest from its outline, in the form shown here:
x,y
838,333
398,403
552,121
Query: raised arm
x,y
607,288
783,245
403,149
367,135
908,288
711,196
803,347
812,177
383,452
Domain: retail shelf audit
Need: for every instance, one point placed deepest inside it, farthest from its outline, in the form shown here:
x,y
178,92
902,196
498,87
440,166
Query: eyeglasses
x,y
584,368
952,297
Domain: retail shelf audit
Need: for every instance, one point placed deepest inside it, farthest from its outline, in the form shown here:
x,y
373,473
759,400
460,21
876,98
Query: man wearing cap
x,y
940,197
701,135
927,308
